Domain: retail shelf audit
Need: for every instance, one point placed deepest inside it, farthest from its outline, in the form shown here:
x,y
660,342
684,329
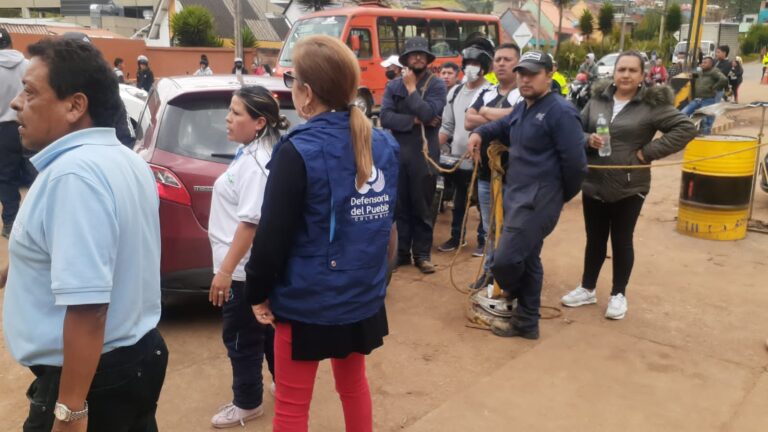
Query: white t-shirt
x,y
513,97
618,106
237,197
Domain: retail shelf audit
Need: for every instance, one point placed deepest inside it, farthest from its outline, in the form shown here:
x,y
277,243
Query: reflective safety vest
x,y
337,268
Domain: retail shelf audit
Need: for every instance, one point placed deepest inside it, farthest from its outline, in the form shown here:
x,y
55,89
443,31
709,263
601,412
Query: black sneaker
x,y
505,328
483,281
451,245
7,230
479,252
425,266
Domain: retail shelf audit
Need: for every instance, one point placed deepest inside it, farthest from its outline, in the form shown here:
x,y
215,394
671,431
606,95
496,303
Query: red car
x,y
181,133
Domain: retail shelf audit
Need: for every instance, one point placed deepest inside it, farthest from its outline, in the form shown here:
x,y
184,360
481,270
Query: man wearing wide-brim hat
x,y
412,102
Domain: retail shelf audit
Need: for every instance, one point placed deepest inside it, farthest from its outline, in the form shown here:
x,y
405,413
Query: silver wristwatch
x,y
63,413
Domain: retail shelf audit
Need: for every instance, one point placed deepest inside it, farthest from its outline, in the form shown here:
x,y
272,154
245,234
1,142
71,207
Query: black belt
x,y
118,356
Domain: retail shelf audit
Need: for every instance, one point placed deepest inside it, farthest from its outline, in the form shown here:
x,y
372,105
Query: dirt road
x,y
690,356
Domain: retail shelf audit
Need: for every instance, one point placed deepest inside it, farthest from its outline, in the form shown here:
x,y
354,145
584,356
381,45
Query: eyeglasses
x,y
288,79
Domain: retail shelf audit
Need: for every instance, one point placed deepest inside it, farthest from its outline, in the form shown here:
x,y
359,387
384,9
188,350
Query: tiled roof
x,y
265,29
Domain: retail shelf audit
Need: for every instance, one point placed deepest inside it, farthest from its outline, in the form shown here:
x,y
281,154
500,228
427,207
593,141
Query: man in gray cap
x,y
412,102
547,163
12,165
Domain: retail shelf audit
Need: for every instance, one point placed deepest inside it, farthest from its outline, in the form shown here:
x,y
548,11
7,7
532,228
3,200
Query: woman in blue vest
x,y
319,261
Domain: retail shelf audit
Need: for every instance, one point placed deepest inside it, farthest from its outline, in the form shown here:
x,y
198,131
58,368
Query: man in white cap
x,y
238,67
589,67
392,67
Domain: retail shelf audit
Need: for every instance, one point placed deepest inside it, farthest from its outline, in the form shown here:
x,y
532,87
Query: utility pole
x,y
538,28
238,30
623,19
661,27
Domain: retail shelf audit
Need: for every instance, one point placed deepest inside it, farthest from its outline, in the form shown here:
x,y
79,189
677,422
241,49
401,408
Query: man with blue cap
x,y
547,163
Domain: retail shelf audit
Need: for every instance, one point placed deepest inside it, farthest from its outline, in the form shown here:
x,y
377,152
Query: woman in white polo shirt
x,y
254,121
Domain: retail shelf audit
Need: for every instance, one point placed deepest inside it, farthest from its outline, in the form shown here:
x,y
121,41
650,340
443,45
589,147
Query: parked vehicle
x,y
134,100
607,64
579,91
375,32
716,33
181,133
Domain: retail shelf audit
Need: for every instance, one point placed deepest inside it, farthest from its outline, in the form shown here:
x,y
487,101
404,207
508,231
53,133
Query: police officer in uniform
x,y
412,102
547,163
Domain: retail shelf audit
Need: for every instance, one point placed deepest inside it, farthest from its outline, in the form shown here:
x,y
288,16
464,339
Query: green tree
x,y
605,19
314,5
248,38
586,23
648,28
193,27
674,19
757,37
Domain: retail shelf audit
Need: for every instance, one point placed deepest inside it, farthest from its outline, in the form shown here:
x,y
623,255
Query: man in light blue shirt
x,y
83,283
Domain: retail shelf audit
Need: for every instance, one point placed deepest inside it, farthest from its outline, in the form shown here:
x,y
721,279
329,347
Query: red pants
x,y
296,380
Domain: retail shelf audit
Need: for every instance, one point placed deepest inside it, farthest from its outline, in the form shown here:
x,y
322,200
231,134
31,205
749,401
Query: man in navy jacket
x,y
411,102
547,164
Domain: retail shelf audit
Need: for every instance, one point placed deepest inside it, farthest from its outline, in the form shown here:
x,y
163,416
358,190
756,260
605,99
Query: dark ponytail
x,y
259,102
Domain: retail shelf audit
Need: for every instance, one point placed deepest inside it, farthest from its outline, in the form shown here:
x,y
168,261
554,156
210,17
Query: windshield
x,y
331,26
608,60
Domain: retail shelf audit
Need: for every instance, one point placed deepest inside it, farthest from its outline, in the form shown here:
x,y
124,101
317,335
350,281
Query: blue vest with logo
x,y
336,271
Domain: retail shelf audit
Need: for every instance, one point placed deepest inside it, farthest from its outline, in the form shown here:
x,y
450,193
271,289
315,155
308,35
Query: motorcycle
x,y
579,91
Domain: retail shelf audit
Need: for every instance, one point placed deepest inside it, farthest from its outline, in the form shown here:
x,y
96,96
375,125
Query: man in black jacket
x,y
412,105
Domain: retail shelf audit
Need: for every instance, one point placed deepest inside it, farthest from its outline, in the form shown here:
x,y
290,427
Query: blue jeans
x,y
461,179
247,342
484,202
706,123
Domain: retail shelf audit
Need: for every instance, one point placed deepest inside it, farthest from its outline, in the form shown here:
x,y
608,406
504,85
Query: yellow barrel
x,y
715,193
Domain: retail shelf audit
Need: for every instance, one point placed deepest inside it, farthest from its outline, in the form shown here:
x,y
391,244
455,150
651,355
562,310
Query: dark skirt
x,y
313,342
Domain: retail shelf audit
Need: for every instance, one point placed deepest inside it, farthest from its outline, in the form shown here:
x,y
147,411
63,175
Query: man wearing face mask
x,y
238,67
392,67
412,102
475,62
492,103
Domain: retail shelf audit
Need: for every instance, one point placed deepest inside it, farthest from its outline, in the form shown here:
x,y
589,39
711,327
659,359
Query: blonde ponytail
x,y
331,69
361,131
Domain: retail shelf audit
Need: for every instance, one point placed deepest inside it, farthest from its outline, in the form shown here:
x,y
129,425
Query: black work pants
x,y
531,212
247,342
617,219
123,395
11,170
415,193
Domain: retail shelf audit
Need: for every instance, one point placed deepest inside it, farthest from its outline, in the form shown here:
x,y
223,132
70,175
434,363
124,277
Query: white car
x,y
134,99
607,64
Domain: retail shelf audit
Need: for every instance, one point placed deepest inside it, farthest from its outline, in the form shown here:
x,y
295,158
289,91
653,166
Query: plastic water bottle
x,y
604,133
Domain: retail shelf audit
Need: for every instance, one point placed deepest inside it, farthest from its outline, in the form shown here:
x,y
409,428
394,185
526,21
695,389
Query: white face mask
x,y
472,72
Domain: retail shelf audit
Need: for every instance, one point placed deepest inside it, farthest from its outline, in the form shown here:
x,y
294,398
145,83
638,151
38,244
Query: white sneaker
x,y
579,297
617,307
229,415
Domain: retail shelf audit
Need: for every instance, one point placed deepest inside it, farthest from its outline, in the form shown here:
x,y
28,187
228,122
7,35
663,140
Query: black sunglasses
x,y
288,79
